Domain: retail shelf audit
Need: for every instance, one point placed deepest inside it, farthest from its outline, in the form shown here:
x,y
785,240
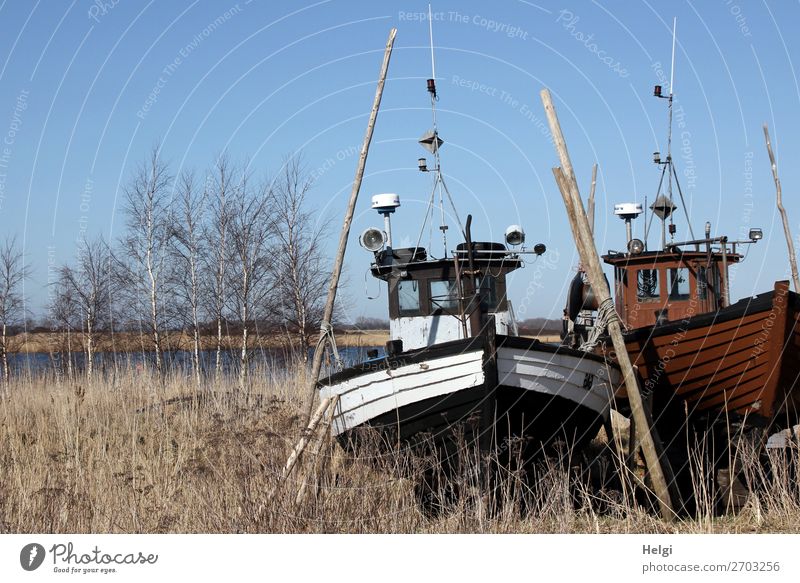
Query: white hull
x,y
373,394
580,380
583,381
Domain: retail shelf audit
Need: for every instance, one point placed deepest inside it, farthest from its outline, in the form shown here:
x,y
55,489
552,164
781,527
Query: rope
x,y
327,335
605,315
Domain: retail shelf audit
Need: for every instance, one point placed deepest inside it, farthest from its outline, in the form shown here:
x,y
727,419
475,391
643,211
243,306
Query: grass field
x,y
129,454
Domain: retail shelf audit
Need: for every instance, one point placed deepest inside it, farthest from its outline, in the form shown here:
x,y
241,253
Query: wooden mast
x,y
326,329
779,197
565,177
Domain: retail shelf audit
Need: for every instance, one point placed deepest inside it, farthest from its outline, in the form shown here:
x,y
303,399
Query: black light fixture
x,y
756,235
422,164
657,91
657,157
432,87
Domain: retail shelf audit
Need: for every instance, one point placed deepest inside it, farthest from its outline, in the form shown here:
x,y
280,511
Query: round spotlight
x,y
372,239
515,235
539,248
635,246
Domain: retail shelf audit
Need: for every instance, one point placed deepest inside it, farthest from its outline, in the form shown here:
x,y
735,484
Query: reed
x,y
132,452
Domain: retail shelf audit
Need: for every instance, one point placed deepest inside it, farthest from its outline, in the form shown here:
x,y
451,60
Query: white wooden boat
x,y
454,365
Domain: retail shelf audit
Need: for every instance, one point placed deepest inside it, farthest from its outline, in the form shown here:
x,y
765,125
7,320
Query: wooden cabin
x,y
655,287
430,300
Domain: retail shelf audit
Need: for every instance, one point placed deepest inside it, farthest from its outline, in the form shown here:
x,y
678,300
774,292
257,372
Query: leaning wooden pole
x,y
568,185
590,205
779,196
325,325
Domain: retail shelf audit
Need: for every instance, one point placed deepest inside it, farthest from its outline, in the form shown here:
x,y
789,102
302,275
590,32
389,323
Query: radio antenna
x,y
432,143
663,206
430,29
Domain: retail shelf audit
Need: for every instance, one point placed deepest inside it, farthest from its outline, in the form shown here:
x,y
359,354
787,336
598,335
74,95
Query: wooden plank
x,y
333,286
565,178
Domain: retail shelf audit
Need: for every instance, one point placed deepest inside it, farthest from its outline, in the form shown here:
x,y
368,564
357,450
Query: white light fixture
x,y
372,239
635,246
515,235
756,235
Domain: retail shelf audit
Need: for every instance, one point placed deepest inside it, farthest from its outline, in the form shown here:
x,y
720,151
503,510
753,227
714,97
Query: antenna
x,y
432,143
663,207
672,68
430,29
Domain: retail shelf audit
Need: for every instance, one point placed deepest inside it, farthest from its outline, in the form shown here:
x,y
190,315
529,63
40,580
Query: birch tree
x,y
222,183
88,284
188,248
299,260
149,219
249,285
13,273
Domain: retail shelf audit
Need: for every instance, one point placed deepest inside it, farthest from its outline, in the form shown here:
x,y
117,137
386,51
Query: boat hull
x,y
742,361
485,391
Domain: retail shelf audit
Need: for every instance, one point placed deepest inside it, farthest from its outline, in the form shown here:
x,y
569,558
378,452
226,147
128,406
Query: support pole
x,y
297,451
568,185
590,206
779,196
325,325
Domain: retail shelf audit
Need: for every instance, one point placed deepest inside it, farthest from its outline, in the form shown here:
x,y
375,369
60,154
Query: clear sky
x,y
87,88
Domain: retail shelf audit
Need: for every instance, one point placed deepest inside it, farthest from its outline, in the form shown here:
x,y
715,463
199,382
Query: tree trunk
x,y
243,363
218,364
4,350
89,349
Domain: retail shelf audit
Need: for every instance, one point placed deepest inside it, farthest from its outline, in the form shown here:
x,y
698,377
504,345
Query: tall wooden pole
x,y
590,206
325,325
779,196
582,233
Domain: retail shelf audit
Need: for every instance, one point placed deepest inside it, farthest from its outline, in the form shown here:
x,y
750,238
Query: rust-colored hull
x,y
741,360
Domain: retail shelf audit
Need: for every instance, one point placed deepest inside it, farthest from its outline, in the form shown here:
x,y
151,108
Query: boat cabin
x,y
655,287
431,300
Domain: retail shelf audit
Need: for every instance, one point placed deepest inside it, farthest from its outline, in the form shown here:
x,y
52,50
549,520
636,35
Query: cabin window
x,y
679,283
702,283
444,295
488,293
408,297
647,286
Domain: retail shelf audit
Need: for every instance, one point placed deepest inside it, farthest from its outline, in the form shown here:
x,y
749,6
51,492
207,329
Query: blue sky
x,y
87,88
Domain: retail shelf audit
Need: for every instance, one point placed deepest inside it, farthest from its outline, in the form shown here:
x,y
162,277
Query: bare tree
x,y
13,273
89,286
250,284
188,247
298,262
62,308
149,219
221,183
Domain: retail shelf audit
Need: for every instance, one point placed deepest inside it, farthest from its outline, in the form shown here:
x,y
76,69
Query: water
x,y
35,363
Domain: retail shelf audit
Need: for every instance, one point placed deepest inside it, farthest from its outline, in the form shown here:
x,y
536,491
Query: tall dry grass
x,y
134,454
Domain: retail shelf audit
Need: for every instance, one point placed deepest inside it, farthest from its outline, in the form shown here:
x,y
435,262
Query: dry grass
x,y
44,342
133,455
